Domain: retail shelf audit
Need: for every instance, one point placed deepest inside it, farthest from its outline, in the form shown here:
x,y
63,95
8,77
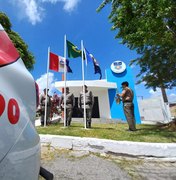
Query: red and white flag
x,y
56,63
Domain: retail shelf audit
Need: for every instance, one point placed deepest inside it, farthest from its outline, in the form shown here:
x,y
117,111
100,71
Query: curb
x,y
158,150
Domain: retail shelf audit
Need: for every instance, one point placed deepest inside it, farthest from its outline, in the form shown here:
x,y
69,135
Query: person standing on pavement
x,y
128,106
89,101
42,99
70,103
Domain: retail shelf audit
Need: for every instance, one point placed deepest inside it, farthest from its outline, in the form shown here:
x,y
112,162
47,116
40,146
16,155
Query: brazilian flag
x,y
73,51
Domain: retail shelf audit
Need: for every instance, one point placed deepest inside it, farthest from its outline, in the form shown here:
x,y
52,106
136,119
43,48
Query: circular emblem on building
x,y
118,66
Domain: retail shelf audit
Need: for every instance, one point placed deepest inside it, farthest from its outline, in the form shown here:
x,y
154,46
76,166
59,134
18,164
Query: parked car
x,y
19,141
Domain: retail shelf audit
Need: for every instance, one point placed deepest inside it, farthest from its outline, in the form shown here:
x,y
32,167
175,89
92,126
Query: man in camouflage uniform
x,y
42,107
89,101
70,103
128,106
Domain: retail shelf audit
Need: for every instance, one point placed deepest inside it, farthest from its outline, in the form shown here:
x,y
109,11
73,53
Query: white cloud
x,y
133,66
43,80
155,93
69,5
29,9
143,83
172,97
33,10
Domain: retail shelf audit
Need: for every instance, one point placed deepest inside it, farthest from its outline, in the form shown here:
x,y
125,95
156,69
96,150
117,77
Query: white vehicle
x,y
19,141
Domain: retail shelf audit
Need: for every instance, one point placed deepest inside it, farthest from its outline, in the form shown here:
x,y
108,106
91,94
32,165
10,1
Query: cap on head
x,y
125,83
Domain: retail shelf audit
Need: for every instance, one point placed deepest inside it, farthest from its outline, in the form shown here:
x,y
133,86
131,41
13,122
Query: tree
x,y
149,27
21,46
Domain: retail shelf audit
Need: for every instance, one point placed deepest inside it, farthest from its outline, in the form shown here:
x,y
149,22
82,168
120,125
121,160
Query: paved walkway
x,y
84,165
76,158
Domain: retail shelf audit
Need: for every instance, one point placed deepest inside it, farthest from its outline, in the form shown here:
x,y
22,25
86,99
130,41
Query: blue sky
x,y
43,23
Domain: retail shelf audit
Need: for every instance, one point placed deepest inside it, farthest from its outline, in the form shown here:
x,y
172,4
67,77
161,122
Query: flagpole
x,y
85,60
82,49
85,56
46,87
65,76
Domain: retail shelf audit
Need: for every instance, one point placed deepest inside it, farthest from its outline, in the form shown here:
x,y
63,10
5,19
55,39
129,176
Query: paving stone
x,y
78,165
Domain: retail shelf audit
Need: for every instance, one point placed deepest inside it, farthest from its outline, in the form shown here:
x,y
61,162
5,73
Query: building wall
x,y
154,110
103,99
117,110
173,110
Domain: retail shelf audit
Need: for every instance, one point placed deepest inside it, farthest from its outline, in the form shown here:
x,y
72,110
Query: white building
x,y
100,91
104,92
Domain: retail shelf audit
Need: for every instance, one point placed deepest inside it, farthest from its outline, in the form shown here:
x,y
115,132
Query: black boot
x,y
69,123
89,124
42,123
66,123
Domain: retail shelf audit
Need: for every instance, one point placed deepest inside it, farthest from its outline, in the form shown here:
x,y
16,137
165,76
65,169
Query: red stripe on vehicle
x,y
8,52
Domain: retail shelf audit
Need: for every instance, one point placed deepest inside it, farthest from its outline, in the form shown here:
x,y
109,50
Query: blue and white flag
x,y
89,57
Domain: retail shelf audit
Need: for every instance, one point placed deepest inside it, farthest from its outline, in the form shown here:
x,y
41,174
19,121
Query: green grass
x,y
145,133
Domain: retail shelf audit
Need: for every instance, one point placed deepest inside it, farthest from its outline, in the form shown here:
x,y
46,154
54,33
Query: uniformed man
x,y
89,101
128,106
70,103
42,107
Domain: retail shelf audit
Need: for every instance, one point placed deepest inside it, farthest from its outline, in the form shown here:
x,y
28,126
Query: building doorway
x,y
95,111
76,110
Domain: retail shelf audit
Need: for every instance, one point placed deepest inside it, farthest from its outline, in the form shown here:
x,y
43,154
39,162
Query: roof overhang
x,y
94,85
